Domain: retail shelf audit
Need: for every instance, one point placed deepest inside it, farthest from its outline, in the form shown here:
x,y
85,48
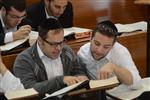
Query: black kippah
x,y
50,24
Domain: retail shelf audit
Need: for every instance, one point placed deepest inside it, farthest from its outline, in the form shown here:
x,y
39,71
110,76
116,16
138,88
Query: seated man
x,y
60,9
8,82
11,15
49,65
104,56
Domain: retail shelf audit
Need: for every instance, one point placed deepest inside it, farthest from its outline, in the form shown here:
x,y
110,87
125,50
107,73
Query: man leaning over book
x,y
49,65
12,22
104,56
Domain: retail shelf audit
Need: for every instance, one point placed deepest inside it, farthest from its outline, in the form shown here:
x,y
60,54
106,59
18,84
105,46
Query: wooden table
x,y
147,2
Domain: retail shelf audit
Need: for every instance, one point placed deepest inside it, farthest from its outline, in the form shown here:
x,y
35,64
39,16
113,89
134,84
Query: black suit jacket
x,y
2,33
36,13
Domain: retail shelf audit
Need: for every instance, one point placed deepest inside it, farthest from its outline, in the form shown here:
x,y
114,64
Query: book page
x,y
132,27
33,37
64,90
124,93
21,93
13,44
100,83
68,31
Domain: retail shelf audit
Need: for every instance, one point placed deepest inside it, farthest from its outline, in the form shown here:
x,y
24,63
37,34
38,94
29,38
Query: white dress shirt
x,y
8,82
53,66
118,55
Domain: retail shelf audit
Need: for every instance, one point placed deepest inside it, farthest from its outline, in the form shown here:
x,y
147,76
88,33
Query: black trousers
x,y
144,96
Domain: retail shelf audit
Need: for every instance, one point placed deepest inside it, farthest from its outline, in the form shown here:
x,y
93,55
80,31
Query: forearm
x,y
124,75
10,83
3,69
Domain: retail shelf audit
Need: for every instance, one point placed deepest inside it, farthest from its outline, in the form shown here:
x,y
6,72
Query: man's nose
x,y
100,49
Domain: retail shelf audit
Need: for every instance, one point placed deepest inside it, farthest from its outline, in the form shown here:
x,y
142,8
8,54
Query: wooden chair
x,y
9,60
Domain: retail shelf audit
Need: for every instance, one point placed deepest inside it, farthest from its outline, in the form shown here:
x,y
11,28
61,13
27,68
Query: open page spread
x,y
124,93
85,84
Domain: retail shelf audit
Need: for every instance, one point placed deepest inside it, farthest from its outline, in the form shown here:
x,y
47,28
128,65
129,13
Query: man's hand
x,y
106,71
70,80
82,78
22,32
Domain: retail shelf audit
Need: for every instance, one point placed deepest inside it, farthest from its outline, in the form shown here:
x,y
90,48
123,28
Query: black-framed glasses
x,y
55,44
16,17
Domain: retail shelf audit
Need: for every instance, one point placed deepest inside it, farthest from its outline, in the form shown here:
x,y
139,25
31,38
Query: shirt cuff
x,y
8,37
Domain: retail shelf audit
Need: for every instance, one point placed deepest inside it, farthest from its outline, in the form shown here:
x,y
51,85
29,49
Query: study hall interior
x,y
87,13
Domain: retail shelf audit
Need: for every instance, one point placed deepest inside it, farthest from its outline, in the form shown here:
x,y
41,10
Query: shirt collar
x,y
40,53
2,20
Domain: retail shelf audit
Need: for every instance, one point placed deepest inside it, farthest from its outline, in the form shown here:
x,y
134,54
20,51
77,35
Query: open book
x,y
124,93
88,84
11,95
126,28
76,33
13,44
32,38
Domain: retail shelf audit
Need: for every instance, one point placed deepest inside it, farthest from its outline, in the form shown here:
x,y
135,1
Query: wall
x,y
88,12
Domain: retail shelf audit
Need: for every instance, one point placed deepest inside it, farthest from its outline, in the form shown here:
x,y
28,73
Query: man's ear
x,y
3,11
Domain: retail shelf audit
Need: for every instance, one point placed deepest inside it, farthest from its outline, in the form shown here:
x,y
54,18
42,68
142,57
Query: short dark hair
x,y
47,25
19,5
106,28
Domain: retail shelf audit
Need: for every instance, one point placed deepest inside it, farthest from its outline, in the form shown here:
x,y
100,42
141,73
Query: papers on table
x,y
32,38
12,45
68,31
62,91
124,93
123,28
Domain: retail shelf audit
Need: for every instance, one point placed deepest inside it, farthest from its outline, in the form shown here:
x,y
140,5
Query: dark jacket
x,y
36,13
31,70
2,33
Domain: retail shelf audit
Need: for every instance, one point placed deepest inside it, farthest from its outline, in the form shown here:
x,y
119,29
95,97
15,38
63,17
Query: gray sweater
x,y
30,69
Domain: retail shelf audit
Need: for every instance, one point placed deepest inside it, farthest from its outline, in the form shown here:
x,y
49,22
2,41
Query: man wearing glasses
x,y
104,56
62,10
49,64
11,15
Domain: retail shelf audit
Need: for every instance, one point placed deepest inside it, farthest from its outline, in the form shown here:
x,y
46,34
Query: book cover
x,y
76,33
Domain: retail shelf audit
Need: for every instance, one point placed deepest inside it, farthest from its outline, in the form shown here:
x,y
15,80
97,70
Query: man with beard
x,y
11,15
49,65
105,57
62,10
